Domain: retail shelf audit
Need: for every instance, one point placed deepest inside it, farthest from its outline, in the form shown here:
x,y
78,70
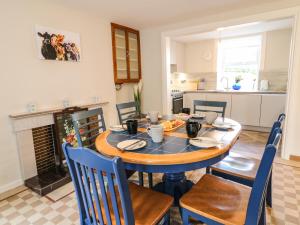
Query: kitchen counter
x,y
234,92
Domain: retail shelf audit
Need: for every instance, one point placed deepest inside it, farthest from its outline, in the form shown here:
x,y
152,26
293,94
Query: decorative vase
x,y
236,86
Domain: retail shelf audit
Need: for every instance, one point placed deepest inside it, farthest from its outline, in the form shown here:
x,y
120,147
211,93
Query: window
x,y
239,57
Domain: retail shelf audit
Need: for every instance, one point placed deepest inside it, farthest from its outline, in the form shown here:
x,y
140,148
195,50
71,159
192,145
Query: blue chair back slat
x,y
105,200
131,110
88,125
84,164
281,117
114,199
96,196
214,104
259,189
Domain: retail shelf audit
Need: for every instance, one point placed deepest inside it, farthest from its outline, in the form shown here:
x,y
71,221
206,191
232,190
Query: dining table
x,y
174,156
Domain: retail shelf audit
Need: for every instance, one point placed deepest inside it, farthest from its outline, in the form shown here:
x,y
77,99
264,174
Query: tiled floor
x,y
29,208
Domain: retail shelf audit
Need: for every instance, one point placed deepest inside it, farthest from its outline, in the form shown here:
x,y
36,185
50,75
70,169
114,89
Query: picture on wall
x,y
57,45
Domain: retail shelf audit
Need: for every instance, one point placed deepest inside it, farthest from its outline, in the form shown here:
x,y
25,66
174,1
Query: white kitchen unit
x,y
255,111
188,100
246,109
221,98
271,107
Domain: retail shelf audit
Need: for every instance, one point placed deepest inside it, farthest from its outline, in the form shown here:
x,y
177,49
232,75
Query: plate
x,y
222,125
198,116
204,142
182,116
118,128
148,117
132,144
172,125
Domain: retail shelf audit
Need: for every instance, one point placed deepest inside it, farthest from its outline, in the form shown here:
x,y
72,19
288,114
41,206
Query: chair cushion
x,y
149,206
238,166
221,200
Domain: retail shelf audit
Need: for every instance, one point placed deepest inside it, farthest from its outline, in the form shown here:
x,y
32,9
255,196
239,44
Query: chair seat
x,y
149,206
238,166
221,200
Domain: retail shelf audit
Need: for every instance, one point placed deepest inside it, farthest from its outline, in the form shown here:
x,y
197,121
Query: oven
x,y
177,102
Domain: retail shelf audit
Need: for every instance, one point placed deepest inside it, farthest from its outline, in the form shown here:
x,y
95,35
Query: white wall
x,y
125,94
201,56
24,78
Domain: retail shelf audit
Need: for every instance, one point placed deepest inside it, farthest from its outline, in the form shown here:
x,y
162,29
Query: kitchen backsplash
x,y
182,81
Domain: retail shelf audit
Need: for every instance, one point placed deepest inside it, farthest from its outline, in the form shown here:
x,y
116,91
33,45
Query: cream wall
x,y
24,78
201,56
125,94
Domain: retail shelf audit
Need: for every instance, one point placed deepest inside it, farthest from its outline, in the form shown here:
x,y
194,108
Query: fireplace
x,y
39,137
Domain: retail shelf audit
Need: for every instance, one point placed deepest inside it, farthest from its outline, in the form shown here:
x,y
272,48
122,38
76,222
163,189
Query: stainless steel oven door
x,y
177,105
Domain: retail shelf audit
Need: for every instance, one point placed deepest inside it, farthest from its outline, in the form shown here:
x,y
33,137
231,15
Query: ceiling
x,y
239,30
149,13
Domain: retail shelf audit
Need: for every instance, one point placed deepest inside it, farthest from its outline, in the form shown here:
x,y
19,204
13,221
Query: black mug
x,y
192,128
132,126
186,111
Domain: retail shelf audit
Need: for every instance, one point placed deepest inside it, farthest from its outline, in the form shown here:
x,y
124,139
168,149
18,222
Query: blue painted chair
x,y
215,200
88,125
214,106
127,111
117,201
243,169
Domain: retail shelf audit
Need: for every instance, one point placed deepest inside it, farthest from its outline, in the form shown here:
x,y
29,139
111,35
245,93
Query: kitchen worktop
x,y
234,92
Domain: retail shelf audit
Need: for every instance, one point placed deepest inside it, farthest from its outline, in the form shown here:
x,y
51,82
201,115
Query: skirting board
x,y
295,158
11,185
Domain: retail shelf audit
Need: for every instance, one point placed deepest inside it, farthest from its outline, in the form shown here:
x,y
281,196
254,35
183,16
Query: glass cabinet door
x,y
121,54
133,55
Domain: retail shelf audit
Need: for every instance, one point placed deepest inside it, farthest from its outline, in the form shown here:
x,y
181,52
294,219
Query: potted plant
x,y
137,93
237,86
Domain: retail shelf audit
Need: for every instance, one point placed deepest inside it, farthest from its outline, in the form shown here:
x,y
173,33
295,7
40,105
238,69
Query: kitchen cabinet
x,y
177,56
188,100
271,107
246,109
126,54
221,98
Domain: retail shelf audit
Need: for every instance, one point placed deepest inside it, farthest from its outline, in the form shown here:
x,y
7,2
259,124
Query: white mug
x,y
156,132
153,116
211,117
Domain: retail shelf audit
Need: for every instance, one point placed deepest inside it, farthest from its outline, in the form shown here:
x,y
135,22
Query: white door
x,y
271,107
221,98
246,109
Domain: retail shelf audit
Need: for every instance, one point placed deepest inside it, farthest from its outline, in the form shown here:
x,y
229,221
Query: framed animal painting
x,y
58,45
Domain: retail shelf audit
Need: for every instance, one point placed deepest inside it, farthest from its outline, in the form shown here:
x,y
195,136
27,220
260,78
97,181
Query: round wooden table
x,y
173,157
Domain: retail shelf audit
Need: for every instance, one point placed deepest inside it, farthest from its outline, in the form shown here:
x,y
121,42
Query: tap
x,y
227,82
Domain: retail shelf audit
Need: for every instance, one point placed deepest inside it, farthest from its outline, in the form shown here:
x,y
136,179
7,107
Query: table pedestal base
x,y
174,184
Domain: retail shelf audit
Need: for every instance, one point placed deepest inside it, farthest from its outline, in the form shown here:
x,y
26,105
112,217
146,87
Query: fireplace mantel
x,y
51,111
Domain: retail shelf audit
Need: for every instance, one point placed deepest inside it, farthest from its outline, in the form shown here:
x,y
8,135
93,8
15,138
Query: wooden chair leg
x,y
269,192
141,179
150,180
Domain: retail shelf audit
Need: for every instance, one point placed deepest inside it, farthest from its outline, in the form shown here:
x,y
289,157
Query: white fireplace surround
x,y
23,124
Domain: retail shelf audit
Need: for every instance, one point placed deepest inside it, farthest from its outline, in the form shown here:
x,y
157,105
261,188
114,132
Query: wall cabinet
x,y
177,56
126,54
271,107
246,109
